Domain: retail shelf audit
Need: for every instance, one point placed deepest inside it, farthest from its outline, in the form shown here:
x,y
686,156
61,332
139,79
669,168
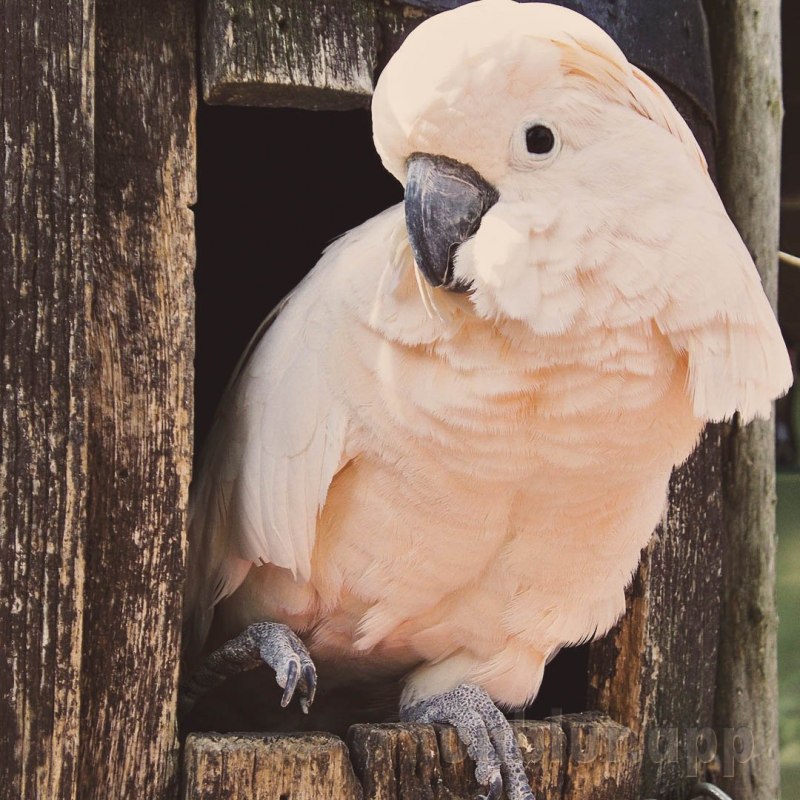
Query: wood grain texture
x,y
312,766
289,53
140,436
746,51
602,758
656,671
46,180
574,757
399,761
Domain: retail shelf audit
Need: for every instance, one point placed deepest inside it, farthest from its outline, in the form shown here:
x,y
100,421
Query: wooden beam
x,y
289,53
746,51
575,757
140,438
252,766
46,210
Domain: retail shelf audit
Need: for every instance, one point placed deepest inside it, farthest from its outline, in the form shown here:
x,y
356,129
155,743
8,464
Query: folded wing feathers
x,y
267,465
737,358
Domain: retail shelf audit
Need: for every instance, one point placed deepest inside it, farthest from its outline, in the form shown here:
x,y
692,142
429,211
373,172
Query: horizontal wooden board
x,y
289,53
586,756
251,766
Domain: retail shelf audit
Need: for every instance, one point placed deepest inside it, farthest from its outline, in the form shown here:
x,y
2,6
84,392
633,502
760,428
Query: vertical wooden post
x,y
655,672
46,203
140,438
745,39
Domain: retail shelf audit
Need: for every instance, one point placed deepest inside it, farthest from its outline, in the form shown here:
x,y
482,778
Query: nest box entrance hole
x,y
275,187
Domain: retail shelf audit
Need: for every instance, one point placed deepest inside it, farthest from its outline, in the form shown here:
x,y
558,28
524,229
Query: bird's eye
x,y
535,142
539,139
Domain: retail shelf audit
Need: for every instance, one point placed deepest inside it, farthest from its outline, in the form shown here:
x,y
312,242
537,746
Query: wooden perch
x,y
574,757
602,760
263,766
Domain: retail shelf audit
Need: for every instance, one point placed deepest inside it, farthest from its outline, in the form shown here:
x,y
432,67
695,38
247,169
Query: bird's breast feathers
x,y
486,467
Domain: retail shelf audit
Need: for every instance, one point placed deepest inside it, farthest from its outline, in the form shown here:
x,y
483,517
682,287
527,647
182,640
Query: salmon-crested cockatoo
x,y
442,455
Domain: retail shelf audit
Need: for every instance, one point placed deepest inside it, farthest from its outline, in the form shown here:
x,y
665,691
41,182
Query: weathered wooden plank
x,y
574,757
602,758
399,761
655,673
394,761
746,51
312,766
140,438
289,53
46,181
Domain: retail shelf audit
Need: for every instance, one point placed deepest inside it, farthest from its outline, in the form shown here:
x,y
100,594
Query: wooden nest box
x,y
98,247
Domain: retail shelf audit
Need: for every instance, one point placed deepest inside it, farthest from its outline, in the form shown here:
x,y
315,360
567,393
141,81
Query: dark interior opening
x,y
274,188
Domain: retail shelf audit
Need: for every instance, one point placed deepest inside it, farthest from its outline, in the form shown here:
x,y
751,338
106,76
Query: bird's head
x,y
524,139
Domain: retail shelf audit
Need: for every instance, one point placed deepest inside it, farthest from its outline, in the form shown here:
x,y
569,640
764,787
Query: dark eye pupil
x,y
539,139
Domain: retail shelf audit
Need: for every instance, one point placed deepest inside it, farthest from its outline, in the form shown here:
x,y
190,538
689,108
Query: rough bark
x,y
745,38
46,180
289,53
140,436
311,766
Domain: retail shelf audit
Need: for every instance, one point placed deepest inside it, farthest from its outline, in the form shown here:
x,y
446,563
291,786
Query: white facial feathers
x,y
618,225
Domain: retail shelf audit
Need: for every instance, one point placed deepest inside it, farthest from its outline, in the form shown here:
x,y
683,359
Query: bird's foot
x,y
487,734
260,643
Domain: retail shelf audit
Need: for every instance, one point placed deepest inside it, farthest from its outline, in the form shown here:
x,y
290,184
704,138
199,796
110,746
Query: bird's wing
x,y
277,441
282,430
718,314
720,317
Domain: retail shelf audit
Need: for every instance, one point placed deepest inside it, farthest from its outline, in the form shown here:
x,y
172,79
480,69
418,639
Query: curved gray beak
x,y
445,201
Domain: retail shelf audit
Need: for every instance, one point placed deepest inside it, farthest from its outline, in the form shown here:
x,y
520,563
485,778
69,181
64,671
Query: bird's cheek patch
x,y
500,251
501,262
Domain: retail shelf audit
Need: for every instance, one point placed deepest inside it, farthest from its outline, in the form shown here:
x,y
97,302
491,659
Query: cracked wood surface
x,y
573,757
746,50
140,394
47,185
656,671
289,53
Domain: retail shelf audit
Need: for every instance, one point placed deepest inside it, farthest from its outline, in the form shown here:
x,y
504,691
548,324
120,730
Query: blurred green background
x,y
788,566
788,589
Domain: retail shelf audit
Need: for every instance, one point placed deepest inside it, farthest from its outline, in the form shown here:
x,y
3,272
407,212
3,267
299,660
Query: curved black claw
x,y
292,676
487,734
261,643
310,688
